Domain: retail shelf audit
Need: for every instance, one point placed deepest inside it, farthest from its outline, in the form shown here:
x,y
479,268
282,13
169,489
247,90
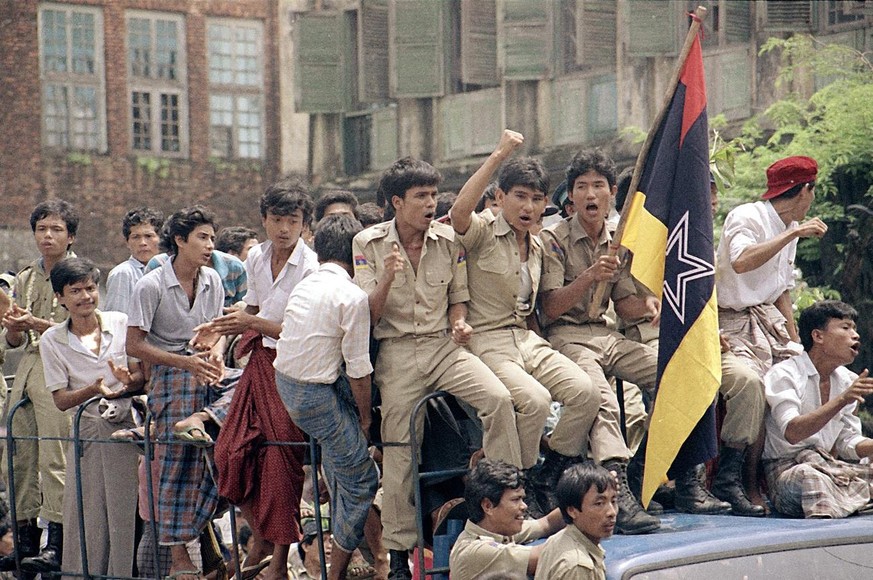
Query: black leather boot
x,y
631,518
635,481
692,497
49,560
728,483
545,480
29,535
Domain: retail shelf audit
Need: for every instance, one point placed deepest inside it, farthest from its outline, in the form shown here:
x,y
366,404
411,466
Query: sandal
x,y
360,572
178,574
136,435
190,435
250,572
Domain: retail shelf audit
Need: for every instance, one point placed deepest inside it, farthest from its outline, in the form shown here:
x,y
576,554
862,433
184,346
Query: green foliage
x,y
77,158
155,166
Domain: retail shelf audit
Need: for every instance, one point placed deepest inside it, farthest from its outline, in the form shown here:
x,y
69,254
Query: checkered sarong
x,y
757,335
813,483
188,494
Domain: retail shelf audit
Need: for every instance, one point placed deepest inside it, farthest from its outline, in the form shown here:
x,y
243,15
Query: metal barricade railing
x,y
148,450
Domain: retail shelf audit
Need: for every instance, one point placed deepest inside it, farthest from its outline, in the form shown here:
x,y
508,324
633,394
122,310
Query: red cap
x,y
788,172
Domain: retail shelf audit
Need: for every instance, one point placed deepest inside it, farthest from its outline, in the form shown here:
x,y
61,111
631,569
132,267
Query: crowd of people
x,y
337,325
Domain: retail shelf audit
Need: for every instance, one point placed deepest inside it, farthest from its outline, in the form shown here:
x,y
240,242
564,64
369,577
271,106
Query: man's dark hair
x,y
489,193
231,240
72,270
287,196
795,190
59,207
590,160
575,483
331,197
333,238
526,172
182,223
403,175
369,214
445,200
623,183
140,216
817,316
489,479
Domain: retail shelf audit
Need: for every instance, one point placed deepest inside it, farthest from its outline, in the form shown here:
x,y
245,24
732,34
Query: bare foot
x,y
194,421
277,570
758,499
182,568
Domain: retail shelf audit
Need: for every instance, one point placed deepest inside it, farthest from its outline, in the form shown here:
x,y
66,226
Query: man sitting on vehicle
x,y
812,399
492,538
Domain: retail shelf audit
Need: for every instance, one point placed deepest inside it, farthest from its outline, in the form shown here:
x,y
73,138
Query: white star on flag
x,y
699,268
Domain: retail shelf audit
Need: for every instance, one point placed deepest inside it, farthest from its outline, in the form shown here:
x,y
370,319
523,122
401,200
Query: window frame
x,y
157,87
70,81
238,91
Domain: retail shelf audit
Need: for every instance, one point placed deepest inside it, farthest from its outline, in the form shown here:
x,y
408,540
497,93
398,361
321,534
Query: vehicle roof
x,y
687,538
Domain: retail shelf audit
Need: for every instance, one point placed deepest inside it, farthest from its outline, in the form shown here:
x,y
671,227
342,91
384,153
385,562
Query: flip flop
x,y
360,572
178,574
135,436
187,435
250,572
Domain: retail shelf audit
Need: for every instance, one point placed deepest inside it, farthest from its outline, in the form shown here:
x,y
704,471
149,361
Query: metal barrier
x,y
148,451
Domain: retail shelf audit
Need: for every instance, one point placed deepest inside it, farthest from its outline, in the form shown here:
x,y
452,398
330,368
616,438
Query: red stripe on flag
x,y
695,88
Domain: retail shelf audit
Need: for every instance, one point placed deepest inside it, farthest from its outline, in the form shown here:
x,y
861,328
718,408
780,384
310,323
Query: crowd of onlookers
x,y
346,315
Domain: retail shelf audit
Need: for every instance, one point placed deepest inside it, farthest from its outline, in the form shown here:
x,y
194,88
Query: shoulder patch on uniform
x,y
360,261
556,249
462,255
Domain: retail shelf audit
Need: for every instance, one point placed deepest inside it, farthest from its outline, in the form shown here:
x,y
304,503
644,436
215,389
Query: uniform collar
x,y
480,532
577,232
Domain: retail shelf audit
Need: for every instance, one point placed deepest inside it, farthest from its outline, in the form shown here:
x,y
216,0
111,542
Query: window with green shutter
x,y
737,21
321,64
383,141
595,32
525,39
569,117
602,104
729,83
373,51
788,15
471,122
653,27
416,39
479,42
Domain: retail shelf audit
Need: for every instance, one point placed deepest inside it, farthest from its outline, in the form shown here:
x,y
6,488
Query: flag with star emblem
x,y
669,231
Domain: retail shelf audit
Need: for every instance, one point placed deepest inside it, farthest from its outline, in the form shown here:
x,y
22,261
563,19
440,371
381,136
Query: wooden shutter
x,y
526,39
373,51
602,101
472,123
383,144
653,28
788,14
417,60
321,71
569,119
737,21
479,42
736,82
595,32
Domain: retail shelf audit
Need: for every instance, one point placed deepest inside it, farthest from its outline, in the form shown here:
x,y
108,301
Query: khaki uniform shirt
x,y
570,555
417,304
569,252
478,551
33,291
494,270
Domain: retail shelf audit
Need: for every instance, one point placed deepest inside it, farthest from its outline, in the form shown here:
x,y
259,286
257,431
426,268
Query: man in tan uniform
x,y
577,258
493,537
39,466
415,273
504,265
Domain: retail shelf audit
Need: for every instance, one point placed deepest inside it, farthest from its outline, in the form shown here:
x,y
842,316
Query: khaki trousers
x,y
600,351
409,368
39,466
743,394
536,374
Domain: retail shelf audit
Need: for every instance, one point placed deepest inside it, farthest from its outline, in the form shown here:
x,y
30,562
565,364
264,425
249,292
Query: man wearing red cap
x,y
755,272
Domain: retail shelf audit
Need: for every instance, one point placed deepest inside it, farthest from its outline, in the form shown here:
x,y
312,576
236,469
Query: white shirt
x,y
792,389
746,225
69,364
327,322
120,284
271,296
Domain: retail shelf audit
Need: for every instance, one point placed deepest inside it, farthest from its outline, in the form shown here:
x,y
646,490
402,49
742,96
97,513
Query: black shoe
x,y
635,482
728,484
49,560
655,508
692,497
631,518
545,479
29,535
399,565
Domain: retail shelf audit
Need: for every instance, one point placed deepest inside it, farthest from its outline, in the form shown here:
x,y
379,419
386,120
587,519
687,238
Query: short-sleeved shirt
x,y
478,551
792,390
120,284
494,273
570,555
230,269
160,306
417,304
568,253
271,296
744,226
326,325
69,364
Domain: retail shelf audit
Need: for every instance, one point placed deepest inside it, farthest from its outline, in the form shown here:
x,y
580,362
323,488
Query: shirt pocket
x,y
399,279
440,275
493,261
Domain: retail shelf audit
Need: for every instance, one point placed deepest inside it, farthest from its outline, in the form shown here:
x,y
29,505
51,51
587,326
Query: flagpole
x,y
697,17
